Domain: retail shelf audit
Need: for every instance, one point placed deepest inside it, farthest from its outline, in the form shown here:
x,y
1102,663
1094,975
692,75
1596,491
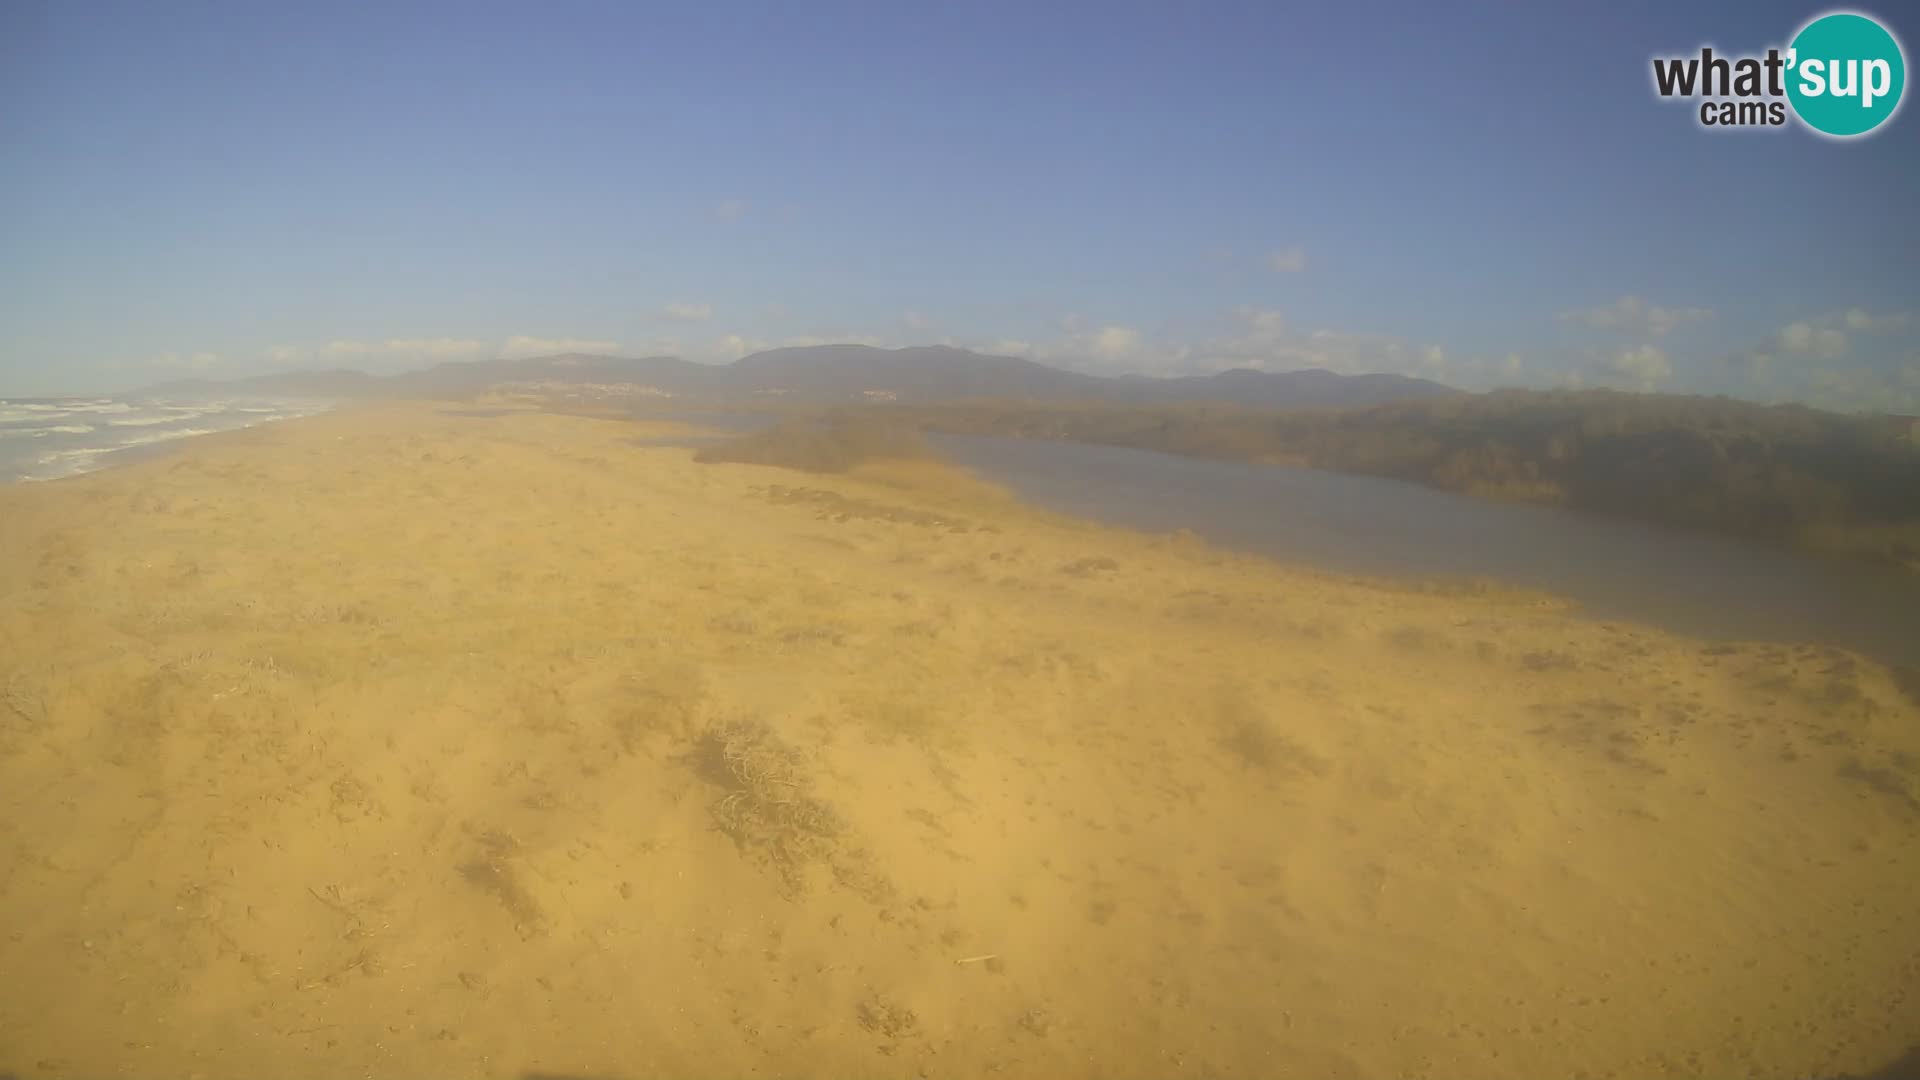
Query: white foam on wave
x,y
54,457
65,463
166,436
60,410
58,464
17,413
149,421
130,426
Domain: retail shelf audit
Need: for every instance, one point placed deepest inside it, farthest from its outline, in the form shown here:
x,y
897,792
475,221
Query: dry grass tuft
x,y
768,810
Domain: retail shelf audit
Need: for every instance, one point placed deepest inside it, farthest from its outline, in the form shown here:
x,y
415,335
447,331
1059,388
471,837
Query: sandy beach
x,y
414,741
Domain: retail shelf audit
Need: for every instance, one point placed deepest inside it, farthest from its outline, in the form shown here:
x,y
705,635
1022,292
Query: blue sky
x,y
1487,195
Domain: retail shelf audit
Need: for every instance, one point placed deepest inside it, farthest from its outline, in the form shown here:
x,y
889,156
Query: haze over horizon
x,y
1048,541
233,191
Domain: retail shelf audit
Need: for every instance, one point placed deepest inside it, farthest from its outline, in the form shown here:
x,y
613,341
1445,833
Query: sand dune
x,y
398,743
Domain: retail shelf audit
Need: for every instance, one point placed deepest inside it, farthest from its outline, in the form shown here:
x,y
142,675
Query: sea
x,y
52,438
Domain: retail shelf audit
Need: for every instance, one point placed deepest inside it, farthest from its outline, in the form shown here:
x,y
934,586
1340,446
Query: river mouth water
x,y
1692,583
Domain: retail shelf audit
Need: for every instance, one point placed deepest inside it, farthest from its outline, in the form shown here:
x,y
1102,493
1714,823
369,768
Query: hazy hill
x,y
832,374
1312,387
940,373
923,373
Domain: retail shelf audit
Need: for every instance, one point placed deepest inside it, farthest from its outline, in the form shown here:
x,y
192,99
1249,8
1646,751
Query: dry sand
x,y
398,743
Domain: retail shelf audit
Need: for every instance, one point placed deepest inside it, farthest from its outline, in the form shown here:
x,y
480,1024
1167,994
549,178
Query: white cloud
x,y
1081,344
438,348
521,347
1261,322
1802,361
1861,321
1265,343
1846,360
1291,260
1633,315
728,347
729,210
1662,321
680,311
1259,338
1114,342
1807,339
1851,360
1645,367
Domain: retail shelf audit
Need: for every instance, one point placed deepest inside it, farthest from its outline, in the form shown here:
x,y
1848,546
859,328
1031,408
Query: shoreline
x,y
141,437
666,429
407,737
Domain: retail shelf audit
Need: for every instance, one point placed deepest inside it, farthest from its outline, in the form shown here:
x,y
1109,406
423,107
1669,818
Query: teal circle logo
x,y
1845,74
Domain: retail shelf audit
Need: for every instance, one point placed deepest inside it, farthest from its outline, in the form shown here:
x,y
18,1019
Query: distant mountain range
x,y
830,374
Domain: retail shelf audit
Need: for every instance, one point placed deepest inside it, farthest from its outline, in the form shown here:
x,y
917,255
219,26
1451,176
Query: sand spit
x,y
401,742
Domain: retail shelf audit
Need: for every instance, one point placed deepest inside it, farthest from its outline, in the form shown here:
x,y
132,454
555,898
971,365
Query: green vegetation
x,y
1842,484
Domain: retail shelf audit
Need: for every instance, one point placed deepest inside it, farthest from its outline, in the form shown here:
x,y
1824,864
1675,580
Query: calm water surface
x,y
1694,583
